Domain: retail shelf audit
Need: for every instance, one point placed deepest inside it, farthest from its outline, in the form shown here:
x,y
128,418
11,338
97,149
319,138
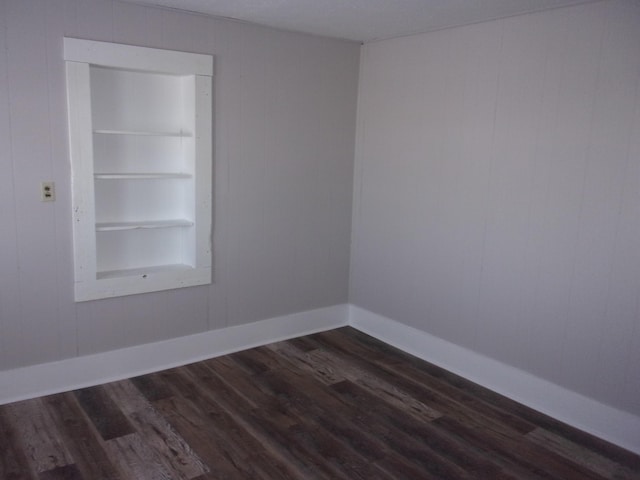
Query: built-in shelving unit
x,y
140,136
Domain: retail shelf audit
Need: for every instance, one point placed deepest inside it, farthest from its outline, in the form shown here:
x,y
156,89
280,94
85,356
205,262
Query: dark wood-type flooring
x,y
335,405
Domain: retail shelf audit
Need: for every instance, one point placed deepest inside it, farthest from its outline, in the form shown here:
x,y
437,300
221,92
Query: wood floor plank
x,y
152,387
582,456
174,451
523,452
303,359
255,361
336,405
230,407
13,459
480,470
276,417
81,438
227,372
230,429
323,455
475,395
277,385
481,399
458,402
421,443
134,456
402,470
303,343
312,400
103,412
310,430
320,362
383,362
445,404
237,392
202,437
331,452
67,472
38,435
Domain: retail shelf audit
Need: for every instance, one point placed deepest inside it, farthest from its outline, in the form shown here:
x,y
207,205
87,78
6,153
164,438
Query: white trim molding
x,y
73,373
616,426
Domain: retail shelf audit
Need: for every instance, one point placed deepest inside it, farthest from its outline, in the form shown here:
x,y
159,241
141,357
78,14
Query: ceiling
x,y
362,20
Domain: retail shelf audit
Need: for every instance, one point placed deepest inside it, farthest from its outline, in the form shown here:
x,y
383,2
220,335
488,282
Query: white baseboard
x,y
70,374
616,426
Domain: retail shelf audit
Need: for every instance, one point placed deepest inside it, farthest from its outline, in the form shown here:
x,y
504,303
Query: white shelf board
x,y
144,271
141,133
134,176
115,226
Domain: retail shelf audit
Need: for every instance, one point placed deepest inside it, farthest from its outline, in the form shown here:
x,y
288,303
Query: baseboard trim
x,y
616,426
70,374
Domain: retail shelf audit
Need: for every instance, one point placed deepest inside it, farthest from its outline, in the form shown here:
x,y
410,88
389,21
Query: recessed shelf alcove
x,y
140,135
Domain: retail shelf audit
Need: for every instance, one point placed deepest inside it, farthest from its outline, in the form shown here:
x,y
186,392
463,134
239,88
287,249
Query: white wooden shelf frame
x,y
141,223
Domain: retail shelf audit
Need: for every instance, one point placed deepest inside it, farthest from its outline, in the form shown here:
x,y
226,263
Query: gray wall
x,y
497,192
285,108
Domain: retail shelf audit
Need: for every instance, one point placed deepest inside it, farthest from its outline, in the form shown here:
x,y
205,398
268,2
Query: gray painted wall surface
x,y
497,192
285,107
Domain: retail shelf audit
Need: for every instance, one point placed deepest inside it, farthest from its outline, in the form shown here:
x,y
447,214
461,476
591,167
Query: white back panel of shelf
x,y
136,154
120,250
133,200
138,101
